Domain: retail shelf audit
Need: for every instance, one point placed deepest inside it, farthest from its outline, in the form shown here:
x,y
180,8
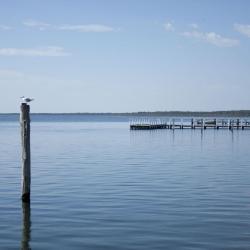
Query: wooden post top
x,y
25,112
25,105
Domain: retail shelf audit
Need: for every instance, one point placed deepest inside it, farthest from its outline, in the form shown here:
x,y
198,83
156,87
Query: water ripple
x,y
100,186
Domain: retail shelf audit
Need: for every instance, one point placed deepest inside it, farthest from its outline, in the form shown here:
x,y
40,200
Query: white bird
x,y
26,99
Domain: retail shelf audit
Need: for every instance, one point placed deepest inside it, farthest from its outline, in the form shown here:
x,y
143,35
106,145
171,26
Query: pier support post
x,y
230,124
25,139
173,124
238,123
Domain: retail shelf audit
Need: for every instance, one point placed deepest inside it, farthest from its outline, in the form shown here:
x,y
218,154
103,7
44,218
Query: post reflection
x,y
26,226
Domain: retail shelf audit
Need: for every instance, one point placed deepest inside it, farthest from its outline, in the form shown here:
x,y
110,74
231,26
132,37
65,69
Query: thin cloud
x,y
168,26
10,73
243,29
34,52
37,24
68,27
194,25
5,27
212,38
87,28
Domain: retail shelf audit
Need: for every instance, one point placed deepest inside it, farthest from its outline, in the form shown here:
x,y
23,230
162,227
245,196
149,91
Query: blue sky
x,y
123,56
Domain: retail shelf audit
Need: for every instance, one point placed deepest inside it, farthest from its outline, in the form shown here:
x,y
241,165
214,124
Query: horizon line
x,y
133,112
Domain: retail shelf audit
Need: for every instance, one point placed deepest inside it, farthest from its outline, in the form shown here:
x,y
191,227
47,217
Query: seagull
x,y
26,99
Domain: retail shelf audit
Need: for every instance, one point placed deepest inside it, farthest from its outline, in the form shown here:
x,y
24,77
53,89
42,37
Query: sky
x,y
125,55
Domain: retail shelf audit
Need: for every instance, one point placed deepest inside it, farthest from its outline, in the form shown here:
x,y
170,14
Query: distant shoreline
x,y
230,113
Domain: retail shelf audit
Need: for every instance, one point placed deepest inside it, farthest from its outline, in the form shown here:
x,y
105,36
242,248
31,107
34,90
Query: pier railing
x,y
189,123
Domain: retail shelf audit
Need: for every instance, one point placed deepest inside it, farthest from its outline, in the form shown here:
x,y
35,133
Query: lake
x,y
98,185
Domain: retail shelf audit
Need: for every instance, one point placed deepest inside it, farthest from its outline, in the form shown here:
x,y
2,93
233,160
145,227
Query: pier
x,y
190,123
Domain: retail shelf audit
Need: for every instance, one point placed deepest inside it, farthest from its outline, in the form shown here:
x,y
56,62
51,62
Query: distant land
x,y
227,113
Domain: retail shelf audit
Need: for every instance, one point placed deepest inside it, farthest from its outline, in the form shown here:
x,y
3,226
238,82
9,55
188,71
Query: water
x,y
97,185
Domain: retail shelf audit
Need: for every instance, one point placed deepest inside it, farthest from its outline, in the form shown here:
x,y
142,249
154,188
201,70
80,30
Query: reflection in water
x,y
232,135
173,136
26,226
202,135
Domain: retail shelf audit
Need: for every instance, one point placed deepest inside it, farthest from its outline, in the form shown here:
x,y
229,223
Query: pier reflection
x,y
202,138
26,230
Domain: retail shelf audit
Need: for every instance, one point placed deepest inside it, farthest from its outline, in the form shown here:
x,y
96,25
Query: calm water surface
x,y
97,185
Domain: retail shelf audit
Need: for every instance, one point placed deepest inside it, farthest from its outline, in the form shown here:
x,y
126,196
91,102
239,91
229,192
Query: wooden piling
x,y
202,123
238,123
230,124
25,139
26,226
192,123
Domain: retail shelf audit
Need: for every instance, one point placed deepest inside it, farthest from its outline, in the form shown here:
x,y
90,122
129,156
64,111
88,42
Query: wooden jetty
x,y
190,123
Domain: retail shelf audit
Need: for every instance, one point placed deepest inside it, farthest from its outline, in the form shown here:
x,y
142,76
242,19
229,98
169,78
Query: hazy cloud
x,y
212,38
10,73
36,52
194,25
5,27
68,27
168,26
87,28
243,29
37,24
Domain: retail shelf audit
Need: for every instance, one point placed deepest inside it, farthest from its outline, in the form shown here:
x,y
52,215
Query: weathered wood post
x,y
204,124
242,125
25,138
26,226
238,123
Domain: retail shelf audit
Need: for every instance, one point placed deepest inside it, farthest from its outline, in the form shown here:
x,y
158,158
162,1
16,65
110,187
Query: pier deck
x,y
193,123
